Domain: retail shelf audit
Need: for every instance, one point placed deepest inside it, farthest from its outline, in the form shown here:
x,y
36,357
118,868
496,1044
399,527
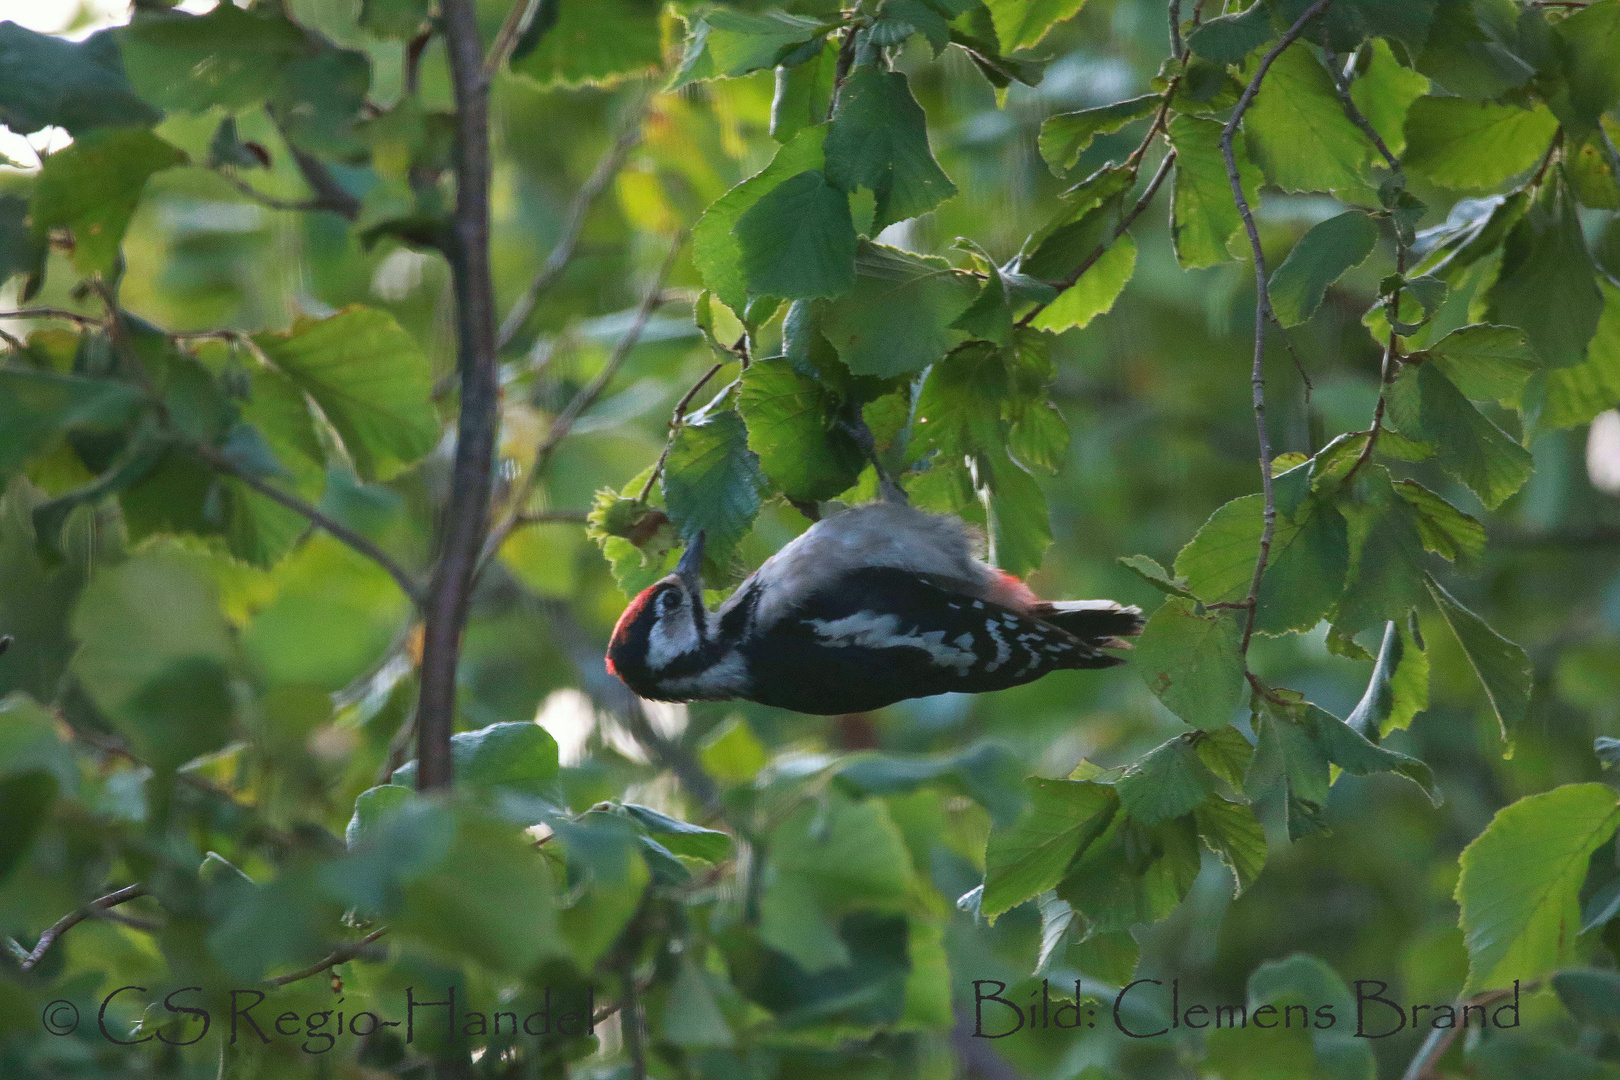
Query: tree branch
x,y
341,955
274,203
506,38
675,426
74,918
1262,306
467,509
607,167
564,421
1342,85
1440,1039
51,313
217,461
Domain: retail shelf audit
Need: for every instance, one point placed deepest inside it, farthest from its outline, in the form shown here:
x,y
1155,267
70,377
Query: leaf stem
x,y
1262,306
467,509
674,426
1439,1041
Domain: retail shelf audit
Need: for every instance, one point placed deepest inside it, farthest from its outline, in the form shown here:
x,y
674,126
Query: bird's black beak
x,y
690,568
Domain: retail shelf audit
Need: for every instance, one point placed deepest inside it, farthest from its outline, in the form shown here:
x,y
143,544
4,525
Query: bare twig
x,y
341,955
332,195
674,427
507,37
632,1022
1262,305
217,461
273,202
467,509
564,421
1125,223
1177,50
1342,85
553,517
1546,160
51,313
74,918
607,167
1386,367
1440,1039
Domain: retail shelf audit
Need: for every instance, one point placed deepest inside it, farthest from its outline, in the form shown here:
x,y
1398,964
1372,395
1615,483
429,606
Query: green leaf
x,y
1545,285
1031,856
732,753
1385,92
1520,884
692,1018
1458,143
1227,753
1306,981
1474,49
394,18
1485,362
878,139
792,428
1577,394
712,482
516,757
1064,137
1304,574
1235,835
1020,525
371,380
370,807
1191,661
92,188
1344,26
1227,39
803,93
986,772
37,408
1591,40
1443,529
1502,667
798,240
1021,24
26,799
716,250
1167,783
1151,572
229,58
1353,752
597,44
1094,292
1386,554
724,44
825,861
1425,405
1317,261
1298,131
1133,874
1591,996
331,615
678,836
46,81
1203,214
897,318
169,696
22,251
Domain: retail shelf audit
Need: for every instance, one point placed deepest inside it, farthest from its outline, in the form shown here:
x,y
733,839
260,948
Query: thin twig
x,y
273,202
466,511
217,461
554,517
631,1023
564,421
1177,50
507,37
74,918
1386,367
1546,160
674,428
1119,230
341,955
333,195
1440,1039
51,313
1342,85
1262,305
607,167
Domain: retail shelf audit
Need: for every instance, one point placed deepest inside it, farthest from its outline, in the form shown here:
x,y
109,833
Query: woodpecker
x,y
867,607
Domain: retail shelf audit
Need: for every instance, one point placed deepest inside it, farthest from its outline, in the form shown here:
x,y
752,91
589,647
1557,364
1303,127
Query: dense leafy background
x,y
208,698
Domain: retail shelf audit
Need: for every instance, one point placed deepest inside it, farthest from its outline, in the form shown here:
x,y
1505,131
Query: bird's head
x,y
665,632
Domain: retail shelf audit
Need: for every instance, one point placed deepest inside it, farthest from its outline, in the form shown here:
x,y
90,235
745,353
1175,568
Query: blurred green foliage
x,y
953,220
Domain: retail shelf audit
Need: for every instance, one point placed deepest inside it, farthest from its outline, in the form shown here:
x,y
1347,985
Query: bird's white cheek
x,y
670,638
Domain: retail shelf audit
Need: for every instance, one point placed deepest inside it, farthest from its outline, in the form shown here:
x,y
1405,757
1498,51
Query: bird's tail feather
x,y
1099,623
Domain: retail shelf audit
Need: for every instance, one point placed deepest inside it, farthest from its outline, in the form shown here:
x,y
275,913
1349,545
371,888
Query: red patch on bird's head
x,y
620,629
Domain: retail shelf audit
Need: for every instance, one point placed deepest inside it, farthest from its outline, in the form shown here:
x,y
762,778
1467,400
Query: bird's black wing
x,y
878,635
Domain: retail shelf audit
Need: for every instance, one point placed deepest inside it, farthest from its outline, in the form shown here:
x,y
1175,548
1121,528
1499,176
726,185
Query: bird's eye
x,y
665,601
